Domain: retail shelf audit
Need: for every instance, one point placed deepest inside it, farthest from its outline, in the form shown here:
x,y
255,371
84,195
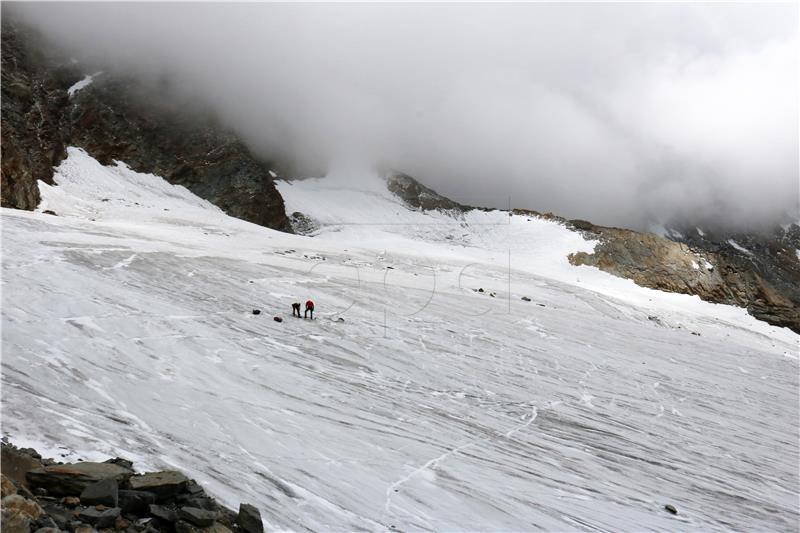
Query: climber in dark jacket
x,y
309,309
296,309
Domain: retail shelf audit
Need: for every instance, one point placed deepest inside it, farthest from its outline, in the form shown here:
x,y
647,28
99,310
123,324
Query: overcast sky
x,y
617,113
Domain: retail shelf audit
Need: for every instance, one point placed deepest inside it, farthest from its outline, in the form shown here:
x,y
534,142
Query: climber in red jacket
x,y
309,309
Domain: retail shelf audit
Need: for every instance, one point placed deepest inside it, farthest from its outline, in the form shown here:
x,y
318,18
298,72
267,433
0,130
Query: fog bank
x,y
622,114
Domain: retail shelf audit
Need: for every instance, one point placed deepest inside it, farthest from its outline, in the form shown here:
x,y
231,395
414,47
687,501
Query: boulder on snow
x,y
256,311
671,509
70,479
249,519
164,484
277,319
526,299
105,492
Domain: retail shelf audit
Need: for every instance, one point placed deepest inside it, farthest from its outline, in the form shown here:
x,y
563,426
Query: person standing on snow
x,y
309,309
296,309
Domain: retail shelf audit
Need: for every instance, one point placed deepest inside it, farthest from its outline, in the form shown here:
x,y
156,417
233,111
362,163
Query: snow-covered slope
x,y
127,329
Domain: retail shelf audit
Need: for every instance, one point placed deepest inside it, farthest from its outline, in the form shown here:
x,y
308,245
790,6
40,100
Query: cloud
x,y
618,113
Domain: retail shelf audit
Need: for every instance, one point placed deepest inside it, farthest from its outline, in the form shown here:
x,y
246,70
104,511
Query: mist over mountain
x,y
622,114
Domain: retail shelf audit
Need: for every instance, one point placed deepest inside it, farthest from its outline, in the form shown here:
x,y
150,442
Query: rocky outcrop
x,y
118,118
713,273
418,196
110,496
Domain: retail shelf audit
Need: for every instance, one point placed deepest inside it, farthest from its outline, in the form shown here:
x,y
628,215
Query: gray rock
x,y
48,530
182,526
526,299
201,501
45,522
100,519
162,512
249,519
164,485
671,509
198,517
70,479
135,502
105,492
58,514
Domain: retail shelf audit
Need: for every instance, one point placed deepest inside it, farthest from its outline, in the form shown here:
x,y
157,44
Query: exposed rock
x,y
419,196
17,462
48,530
71,501
164,484
301,224
135,501
70,479
671,509
659,263
7,487
105,492
14,522
256,311
526,299
121,524
188,508
198,517
162,512
181,526
216,527
18,504
249,519
60,515
121,462
100,518
118,118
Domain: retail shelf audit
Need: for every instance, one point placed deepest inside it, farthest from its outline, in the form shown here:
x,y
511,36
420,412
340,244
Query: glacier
x,y
427,395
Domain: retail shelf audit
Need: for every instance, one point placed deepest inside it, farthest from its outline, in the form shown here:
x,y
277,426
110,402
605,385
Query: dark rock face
x,y
419,196
33,100
118,119
770,254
